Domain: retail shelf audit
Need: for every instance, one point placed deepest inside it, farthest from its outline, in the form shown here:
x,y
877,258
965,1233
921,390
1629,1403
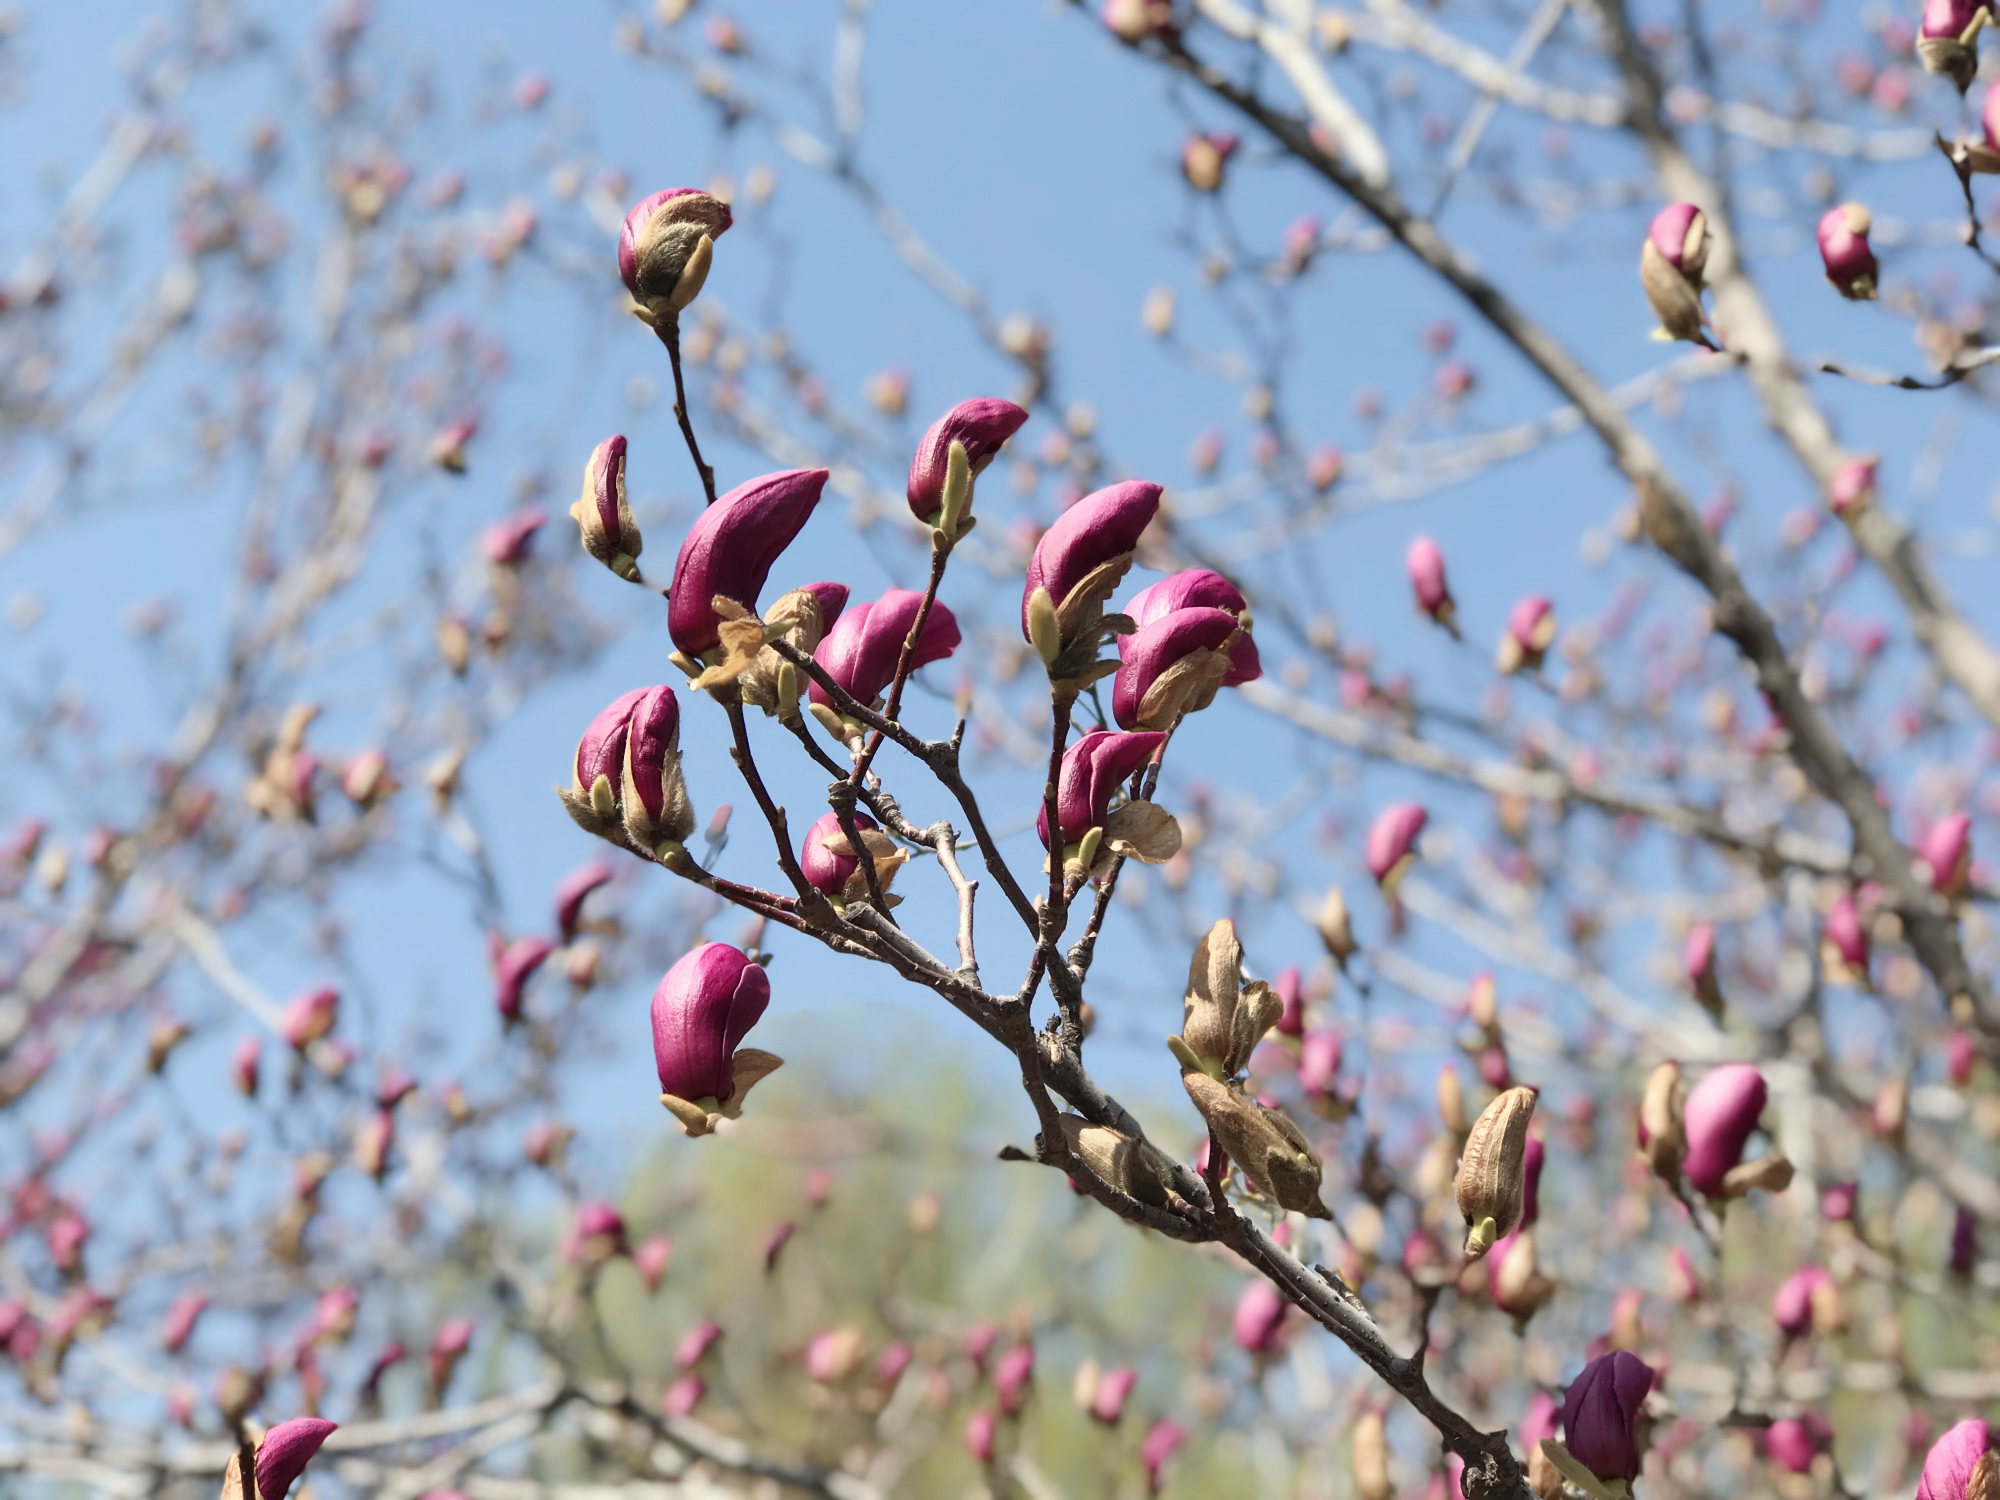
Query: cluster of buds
x,y
1191,638
1492,1171
604,515
664,251
626,785
1076,567
952,454
1090,832
1844,251
1948,40
702,1010
1223,1021
1671,265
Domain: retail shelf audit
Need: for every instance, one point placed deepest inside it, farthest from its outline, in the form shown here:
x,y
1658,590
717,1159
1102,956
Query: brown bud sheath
x,y
1662,1131
1492,1169
1271,1151
1223,1020
1115,1158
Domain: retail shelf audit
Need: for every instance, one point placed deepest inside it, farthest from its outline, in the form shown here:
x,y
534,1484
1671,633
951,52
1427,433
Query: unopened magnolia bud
x,y
1203,158
1077,565
653,799
1662,1129
1671,264
1492,1170
1698,962
1270,1150
1720,1114
1335,928
1223,1020
1947,850
1451,1101
1843,249
1116,1159
604,514
1425,565
1531,630
1964,1464
1948,40
665,247
940,480
1392,842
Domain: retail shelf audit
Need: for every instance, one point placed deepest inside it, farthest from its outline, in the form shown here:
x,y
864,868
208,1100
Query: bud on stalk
x,y
604,514
1492,1170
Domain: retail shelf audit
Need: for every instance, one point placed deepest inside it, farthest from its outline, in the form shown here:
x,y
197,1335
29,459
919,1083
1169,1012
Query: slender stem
x,y
905,663
670,335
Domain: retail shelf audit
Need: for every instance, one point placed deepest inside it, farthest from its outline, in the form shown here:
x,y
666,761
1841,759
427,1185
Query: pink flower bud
x,y
834,1355
1107,1401
1260,1315
334,1314
393,1354
506,543
1698,963
1319,1063
603,513
1963,1455
573,891
598,1235
775,1242
1531,630
696,1343
1836,1203
1792,1308
1845,937
1793,1442
1301,241
1843,249
1197,588
372,1143
366,781
1203,157
447,446
178,1327
286,1449
893,1361
1132,21
702,1010
979,1432
824,869
1392,841
863,648
1425,565
651,1260
1722,1110
1601,1411
448,1346
1960,1055
66,1235
1324,468
1162,1440
1947,849
1013,1376
1096,533
659,246
1093,769
1683,1284
978,1344
983,425
652,796
1171,666
514,965
310,1017
730,548
683,1396
1290,991
1853,486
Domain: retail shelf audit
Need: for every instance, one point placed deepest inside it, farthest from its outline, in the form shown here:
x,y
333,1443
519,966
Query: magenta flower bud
x,y
827,868
285,1451
1085,554
1162,1440
775,1242
1260,1315
1392,841
1013,1376
834,1355
1947,849
1107,1399
1853,486
506,543
1836,1203
982,425
1671,265
597,772
729,551
1531,630
1949,36
651,1259
310,1017
1290,990
652,795
1698,963
1960,1055
178,1326
1843,249
1792,1308
1198,588
598,1234
1793,1442
979,1432
683,1396
862,649
1172,666
696,1343
702,1009
334,1313
1425,565
66,1235
1845,938
893,1361
1092,771
603,514
664,248
1721,1112
513,967
1962,1465
1601,1414
448,1346
1964,1242
832,599
572,892
1319,1063
978,1344
393,1354
1531,1180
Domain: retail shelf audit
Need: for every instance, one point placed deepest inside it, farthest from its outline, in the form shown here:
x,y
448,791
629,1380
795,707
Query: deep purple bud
x,y
982,425
1601,1412
1531,1180
1100,528
1721,1112
702,1009
861,651
1092,771
601,751
1955,1459
1393,840
824,869
286,1449
652,794
730,549
603,514
571,893
513,968
1198,588
1143,695
1947,18
832,599
1843,249
1260,1314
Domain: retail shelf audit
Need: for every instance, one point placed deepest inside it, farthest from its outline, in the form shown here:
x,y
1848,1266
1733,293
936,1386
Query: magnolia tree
x,y
1586,1068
